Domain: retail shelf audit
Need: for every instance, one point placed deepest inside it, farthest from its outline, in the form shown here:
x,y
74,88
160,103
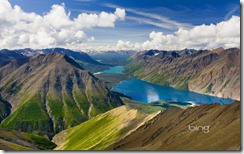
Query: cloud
x,y
224,34
153,19
19,29
231,12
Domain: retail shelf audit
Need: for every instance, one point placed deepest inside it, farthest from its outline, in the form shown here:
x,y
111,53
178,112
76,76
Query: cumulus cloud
x,y
223,34
19,29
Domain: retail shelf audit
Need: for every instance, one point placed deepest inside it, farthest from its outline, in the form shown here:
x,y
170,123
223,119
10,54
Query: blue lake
x,y
114,70
147,92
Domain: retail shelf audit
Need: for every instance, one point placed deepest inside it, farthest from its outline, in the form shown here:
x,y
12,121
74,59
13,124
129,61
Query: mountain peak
x,y
54,58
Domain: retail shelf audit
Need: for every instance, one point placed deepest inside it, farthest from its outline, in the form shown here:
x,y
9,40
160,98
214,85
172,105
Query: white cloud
x,y
120,13
224,34
153,19
19,29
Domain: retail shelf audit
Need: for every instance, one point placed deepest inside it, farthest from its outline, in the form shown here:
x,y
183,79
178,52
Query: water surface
x,y
147,92
114,70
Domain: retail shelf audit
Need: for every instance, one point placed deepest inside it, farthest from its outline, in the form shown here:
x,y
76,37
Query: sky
x,y
84,25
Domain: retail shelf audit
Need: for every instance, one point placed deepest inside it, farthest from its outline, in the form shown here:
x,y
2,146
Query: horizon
x,y
84,25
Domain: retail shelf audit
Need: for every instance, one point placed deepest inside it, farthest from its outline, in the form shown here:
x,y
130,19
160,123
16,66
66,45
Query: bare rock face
x,y
220,78
215,72
205,127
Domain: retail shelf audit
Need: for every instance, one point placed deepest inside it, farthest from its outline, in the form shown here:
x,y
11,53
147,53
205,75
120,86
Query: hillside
x,y
215,72
101,131
5,108
51,93
219,130
10,61
15,140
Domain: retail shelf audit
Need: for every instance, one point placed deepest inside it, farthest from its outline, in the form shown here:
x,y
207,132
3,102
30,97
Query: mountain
x,y
5,108
15,140
221,77
102,131
51,93
10,61
80,57
7,56
112,57
215,72
205,127
11,66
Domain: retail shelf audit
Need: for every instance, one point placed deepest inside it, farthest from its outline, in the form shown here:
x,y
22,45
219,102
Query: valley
x,y
120,76
64,100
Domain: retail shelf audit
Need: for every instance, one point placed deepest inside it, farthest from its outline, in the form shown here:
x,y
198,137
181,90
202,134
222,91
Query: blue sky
x,y
142,16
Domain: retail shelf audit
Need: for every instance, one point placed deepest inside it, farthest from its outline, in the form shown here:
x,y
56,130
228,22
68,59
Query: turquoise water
x,y
147,92
114,70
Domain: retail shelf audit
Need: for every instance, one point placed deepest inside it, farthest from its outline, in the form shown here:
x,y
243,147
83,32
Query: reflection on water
x,y
152,94
147,92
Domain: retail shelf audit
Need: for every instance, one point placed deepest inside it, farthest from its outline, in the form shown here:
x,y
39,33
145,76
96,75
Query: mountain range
x,y
81,58
215,72
112,57
49,99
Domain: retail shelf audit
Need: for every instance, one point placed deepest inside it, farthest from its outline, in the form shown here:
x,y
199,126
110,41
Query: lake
x,y
114,70
147,92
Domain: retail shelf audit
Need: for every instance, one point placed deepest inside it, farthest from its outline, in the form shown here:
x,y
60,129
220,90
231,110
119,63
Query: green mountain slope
x,y
15,140
102,131
51,93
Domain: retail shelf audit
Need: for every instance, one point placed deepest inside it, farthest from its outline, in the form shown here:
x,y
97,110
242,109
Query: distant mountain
x,y
51,93
205,127
6,56
215,72
80,57
112,57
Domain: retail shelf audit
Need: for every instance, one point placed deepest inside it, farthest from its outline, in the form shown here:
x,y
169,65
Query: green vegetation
x,y
98,133
30,116
15,140
143,107
168,104
209,88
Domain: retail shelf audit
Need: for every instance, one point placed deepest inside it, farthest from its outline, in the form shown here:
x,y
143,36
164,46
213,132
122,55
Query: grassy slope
x,y
143,107
100,132
15,140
